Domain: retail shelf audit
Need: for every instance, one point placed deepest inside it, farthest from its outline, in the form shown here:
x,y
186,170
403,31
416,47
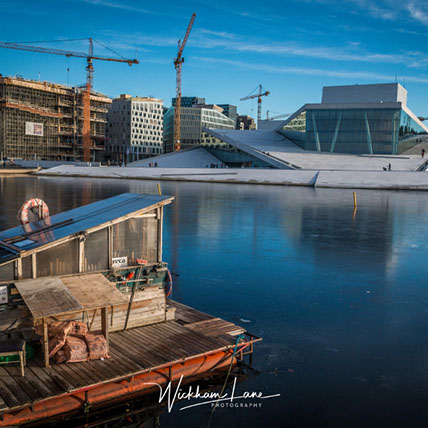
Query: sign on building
x,y
120,262
33,128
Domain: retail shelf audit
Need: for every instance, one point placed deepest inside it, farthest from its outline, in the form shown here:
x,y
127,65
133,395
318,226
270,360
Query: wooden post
x,y
34,265
81,254
110,246
18,267
45,342
21,361
159,216
104,324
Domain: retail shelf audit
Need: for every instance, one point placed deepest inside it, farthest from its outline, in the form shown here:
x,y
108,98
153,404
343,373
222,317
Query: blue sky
x,y
293,48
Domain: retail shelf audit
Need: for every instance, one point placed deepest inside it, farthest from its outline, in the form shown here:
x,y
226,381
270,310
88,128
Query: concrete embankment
x,y
389,180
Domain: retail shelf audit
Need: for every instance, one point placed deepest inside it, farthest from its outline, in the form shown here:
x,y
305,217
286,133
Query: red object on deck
x,y
119,389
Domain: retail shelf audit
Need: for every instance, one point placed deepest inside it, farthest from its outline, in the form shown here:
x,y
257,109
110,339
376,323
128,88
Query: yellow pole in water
x,y
355,200
159,189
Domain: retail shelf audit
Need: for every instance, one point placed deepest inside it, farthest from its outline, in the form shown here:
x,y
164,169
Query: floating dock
x,y
191,344
98,267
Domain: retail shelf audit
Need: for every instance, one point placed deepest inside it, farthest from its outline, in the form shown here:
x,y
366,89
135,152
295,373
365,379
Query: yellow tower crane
x,y
86,129
178,62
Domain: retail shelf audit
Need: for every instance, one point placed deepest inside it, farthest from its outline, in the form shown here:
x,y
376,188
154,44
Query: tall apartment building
x,y
193,120
135,128
41,120
189,101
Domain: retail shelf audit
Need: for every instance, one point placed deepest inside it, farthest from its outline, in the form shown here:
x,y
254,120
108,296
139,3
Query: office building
x,y
245,123
135,128
229,110
193,121
189,101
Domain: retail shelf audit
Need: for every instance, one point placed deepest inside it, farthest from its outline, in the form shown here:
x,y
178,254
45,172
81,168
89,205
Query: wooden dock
x,y
193,343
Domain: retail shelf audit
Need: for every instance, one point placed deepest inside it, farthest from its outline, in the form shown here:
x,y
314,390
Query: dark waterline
x,y
341,302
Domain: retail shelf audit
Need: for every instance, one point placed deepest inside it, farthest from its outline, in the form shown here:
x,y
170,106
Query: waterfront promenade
x,y
388,180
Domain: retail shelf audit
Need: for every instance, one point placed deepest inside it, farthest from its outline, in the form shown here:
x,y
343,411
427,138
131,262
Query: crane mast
x,y
86,96
178,62
86,128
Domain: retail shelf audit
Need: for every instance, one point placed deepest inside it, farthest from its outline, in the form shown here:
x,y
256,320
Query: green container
x,y
29,353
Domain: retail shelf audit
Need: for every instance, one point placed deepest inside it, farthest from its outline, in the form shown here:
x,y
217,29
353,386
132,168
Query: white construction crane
x,y
259,95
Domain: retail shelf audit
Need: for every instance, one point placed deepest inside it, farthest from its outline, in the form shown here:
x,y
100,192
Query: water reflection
x,y
341,303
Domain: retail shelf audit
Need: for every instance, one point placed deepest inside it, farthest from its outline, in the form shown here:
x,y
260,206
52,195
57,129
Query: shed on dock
x,y
110,233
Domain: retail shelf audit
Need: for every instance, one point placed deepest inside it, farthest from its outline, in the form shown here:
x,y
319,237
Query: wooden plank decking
x,y
192,333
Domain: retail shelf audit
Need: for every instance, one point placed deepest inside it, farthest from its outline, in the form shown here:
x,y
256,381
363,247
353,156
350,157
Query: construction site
x,y
44,121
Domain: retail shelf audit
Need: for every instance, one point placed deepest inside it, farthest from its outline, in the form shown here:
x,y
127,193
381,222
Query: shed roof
x,y
52,296
19,239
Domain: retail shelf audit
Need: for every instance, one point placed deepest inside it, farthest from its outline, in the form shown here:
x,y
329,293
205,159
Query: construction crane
x,y
178,62
259,95
86,129
278,116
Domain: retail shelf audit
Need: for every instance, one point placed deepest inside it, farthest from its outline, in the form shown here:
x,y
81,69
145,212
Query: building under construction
x,y
43,121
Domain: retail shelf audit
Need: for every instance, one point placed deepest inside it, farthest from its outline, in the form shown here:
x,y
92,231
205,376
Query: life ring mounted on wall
x,y
35,205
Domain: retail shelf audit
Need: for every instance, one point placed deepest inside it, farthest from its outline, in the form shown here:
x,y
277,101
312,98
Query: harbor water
x,y
339,297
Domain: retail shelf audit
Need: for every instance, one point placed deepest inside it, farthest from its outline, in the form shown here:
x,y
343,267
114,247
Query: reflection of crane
x,y
278,116
262,93
86,129
178,61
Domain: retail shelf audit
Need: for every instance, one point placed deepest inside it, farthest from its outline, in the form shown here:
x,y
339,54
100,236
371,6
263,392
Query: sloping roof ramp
x,y
46,297
108,211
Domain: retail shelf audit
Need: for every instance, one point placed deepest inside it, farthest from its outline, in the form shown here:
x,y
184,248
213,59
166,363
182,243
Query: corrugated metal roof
x,y
67,223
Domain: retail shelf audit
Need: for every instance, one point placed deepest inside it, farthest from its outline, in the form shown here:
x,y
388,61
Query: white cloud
x,y
119,5
222,34
418,13
312,71
217,40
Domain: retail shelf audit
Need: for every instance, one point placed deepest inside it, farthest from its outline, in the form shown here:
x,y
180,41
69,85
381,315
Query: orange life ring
x,y
32,205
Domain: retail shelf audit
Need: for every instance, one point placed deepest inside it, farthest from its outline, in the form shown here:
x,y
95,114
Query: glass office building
x,y
193,121
382,125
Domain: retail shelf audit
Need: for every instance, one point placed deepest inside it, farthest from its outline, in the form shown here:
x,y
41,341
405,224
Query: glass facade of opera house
x,y
354,130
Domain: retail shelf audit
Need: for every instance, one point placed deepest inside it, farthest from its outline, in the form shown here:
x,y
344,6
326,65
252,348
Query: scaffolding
x,y
44,121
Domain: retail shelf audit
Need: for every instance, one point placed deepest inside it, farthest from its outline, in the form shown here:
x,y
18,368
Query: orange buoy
x,y
37,206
